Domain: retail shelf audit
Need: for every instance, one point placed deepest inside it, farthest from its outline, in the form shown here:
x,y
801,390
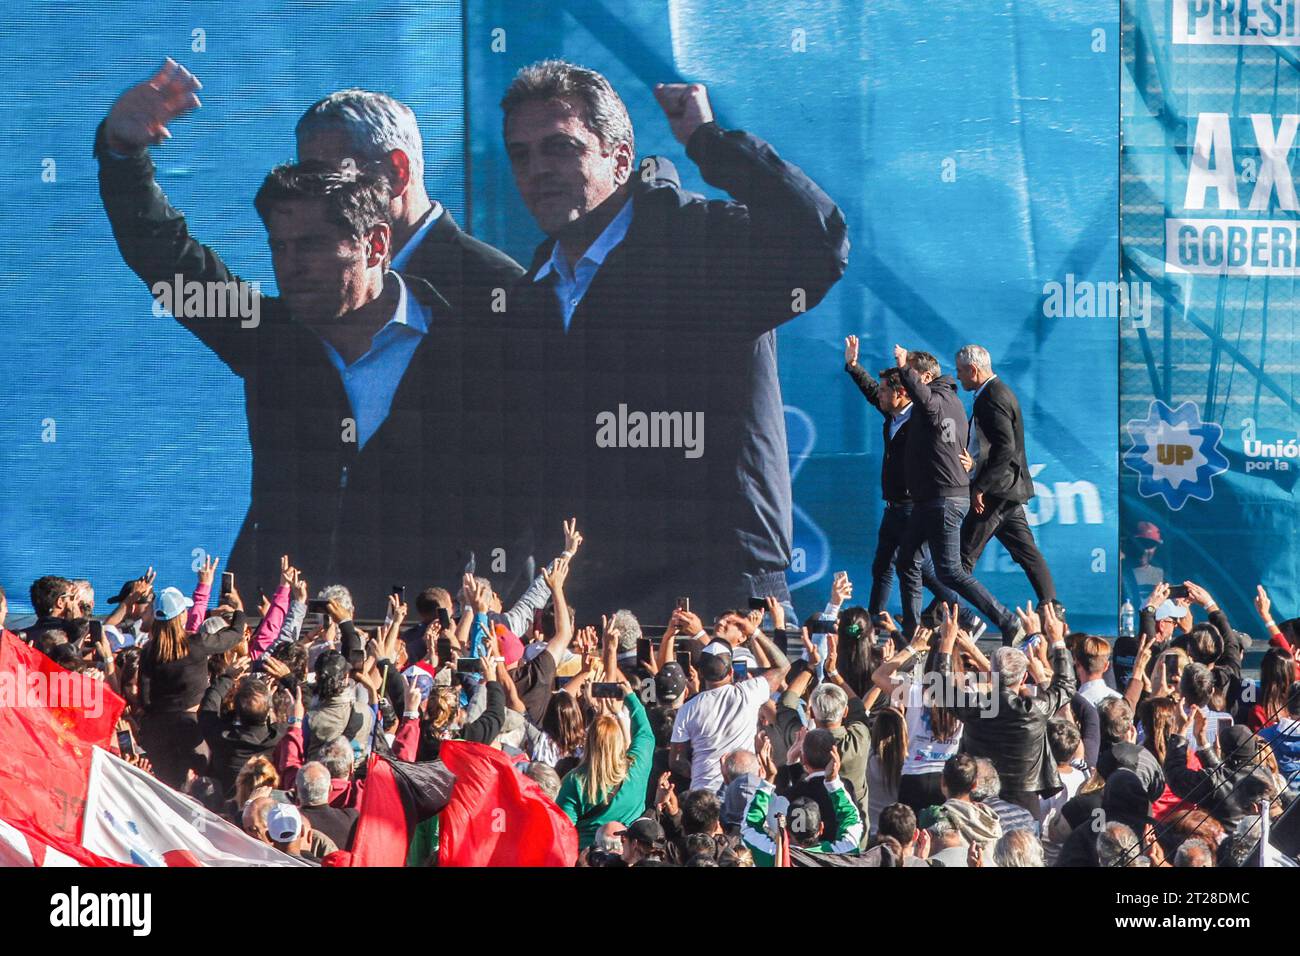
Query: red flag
x,y
497,816
381,836
398,796
50,722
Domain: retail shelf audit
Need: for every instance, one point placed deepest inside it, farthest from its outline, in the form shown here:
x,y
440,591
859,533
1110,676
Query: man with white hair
x,y
313,792
1000,482
1118,845
381,134
830,709
1009,726
1194,852
741,775
1018,848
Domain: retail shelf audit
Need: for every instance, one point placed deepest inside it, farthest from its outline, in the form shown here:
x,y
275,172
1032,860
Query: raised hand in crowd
x,y
1029,619
1263,605
1199,595
687,622
232,601
776,611
556,574
851,350
208,570
810,649
274,668
841,588
763,750
572,538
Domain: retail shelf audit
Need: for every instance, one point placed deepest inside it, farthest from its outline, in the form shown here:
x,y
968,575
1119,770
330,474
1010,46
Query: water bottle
x,y
1126,619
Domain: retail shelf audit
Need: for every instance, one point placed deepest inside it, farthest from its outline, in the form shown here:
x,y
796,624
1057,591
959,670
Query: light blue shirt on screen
x,y
572,284
404,254
371,381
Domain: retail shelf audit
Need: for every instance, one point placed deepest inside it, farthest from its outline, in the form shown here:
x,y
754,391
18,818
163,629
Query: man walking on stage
x,y
892,401
937,480
1000,482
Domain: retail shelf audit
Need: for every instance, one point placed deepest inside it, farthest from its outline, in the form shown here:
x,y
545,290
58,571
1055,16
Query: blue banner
x,y
1210,443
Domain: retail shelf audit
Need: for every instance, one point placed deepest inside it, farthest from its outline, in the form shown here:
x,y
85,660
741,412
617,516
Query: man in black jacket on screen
x,y
643,338
376,426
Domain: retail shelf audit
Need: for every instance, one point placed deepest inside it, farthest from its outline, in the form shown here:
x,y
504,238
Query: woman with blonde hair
x,y
609,785
256,774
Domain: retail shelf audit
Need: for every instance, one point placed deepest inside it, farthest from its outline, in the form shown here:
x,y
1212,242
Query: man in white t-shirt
x,y
1091,663
724,716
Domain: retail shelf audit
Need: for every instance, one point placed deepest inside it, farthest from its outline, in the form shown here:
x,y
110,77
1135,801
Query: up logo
x,y
1175,454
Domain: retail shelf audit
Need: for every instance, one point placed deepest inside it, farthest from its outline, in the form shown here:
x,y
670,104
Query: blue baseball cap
x,y
171,602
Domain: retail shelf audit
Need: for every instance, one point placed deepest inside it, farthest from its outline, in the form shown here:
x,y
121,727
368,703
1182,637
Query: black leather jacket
x,y
1011,730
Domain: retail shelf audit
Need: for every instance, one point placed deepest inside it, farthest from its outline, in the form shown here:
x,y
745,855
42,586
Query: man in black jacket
x,y
1009,726
247,732
940,489
375,430
1000,482
646,324
892,401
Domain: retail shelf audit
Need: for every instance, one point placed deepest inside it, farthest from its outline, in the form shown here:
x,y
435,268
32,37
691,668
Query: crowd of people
x,y
750,740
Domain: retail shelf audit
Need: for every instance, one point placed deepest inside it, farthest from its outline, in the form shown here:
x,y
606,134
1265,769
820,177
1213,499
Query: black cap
x,y
670,682
1239,746
1126,799
647,831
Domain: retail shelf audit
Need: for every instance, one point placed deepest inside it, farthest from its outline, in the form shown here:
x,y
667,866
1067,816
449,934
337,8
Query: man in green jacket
x,y
806,828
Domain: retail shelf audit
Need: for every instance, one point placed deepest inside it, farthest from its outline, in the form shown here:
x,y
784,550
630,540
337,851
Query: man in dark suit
x,y
892,401
1000,482
381,135
940,489
644,338
375,444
